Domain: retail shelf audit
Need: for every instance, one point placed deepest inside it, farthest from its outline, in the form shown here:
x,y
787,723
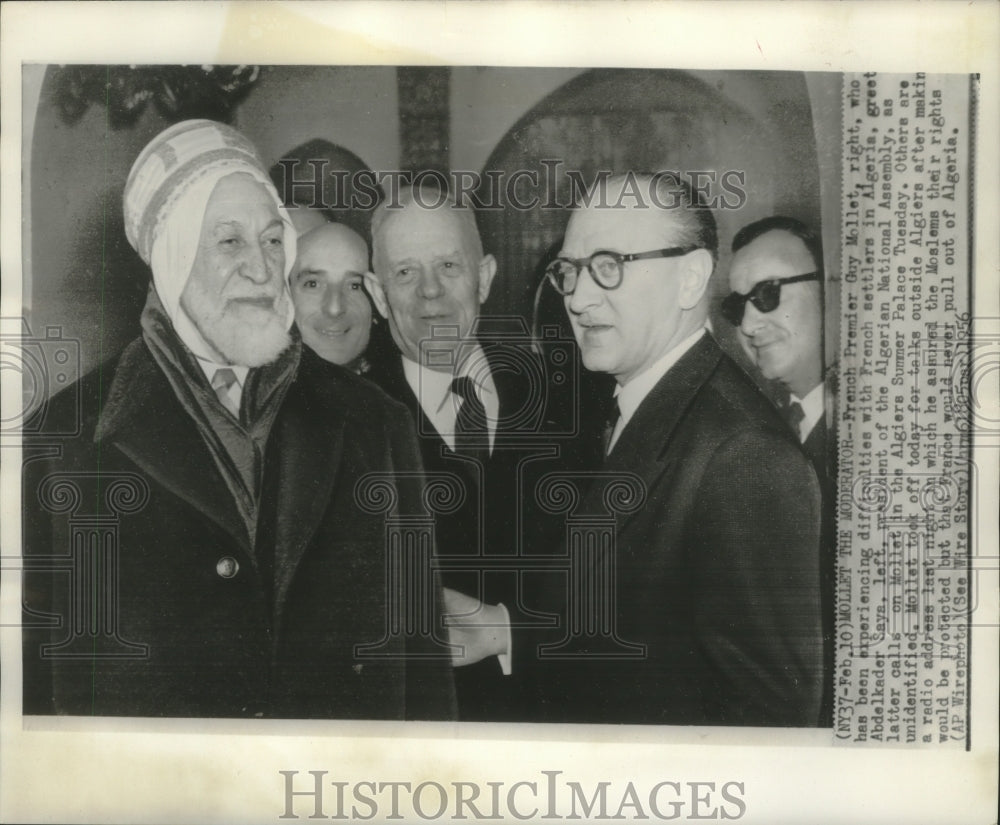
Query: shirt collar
x,y
210,368
433,387
813,408
634,392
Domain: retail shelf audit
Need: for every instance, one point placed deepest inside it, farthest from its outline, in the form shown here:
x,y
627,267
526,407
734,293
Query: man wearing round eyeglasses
x,y
717,573
713,614
777,306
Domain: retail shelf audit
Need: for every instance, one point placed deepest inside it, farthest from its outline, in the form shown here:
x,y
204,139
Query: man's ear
x,y
695,275
487,271
378,296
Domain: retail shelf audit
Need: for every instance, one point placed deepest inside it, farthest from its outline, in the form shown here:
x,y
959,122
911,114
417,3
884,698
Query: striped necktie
x,y
609,426
222,383
471,430
795,415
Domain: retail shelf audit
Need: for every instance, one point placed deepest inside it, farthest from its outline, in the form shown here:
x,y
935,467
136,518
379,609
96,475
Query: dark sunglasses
x,y
765,296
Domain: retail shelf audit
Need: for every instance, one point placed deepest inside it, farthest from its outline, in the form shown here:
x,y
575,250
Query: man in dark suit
x,y
702,608
476,393
210,542
777,306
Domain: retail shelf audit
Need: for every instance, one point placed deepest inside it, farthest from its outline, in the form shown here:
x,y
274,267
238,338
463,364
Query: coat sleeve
x,y
755,568
430,688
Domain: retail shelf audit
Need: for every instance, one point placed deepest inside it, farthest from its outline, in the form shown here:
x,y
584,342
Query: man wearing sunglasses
x,y
716,575
777,306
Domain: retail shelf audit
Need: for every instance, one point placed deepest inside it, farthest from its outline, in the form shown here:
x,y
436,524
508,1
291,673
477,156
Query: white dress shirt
x,y
631,394
441,405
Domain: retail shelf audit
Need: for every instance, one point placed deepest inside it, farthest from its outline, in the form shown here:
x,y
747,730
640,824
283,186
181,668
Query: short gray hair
x,y
430,198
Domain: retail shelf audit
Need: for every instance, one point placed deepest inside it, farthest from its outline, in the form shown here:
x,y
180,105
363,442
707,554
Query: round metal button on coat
x,y
227,567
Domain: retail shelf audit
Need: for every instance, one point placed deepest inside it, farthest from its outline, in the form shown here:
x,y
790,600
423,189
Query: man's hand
x,y
479,630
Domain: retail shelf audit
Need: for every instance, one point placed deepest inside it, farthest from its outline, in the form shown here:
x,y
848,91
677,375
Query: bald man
x,y
332,308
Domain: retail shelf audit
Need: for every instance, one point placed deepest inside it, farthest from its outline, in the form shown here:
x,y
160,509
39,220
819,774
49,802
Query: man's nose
x,y
430,284
586,294
333,301
753,319
260,267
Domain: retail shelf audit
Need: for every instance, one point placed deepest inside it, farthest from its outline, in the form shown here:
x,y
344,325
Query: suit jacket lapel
x,y
304,457
815,447
144,420
514,371
392,379
642,448
509,394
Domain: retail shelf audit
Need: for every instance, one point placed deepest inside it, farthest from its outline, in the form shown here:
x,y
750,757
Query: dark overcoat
x,y
144,595
821,449
704,607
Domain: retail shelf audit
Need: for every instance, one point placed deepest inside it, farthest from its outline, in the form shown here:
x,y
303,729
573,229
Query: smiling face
x,y
786,344
429,274
331,308
235,294
625,330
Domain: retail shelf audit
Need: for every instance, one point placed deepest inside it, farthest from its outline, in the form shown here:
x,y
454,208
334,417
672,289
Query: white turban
x,y
165,199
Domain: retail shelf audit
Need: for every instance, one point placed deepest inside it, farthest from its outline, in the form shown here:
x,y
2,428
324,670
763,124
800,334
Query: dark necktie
x,y
794,415
609,425
222,381
472,435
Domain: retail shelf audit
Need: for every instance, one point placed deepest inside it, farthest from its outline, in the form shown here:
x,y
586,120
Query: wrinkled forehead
x,y
775,254
415,226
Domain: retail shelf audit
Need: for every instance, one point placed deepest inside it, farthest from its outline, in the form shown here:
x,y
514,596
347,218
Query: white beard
x,y
242,335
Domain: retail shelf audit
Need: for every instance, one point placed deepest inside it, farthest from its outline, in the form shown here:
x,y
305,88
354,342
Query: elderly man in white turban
x,y
242,570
